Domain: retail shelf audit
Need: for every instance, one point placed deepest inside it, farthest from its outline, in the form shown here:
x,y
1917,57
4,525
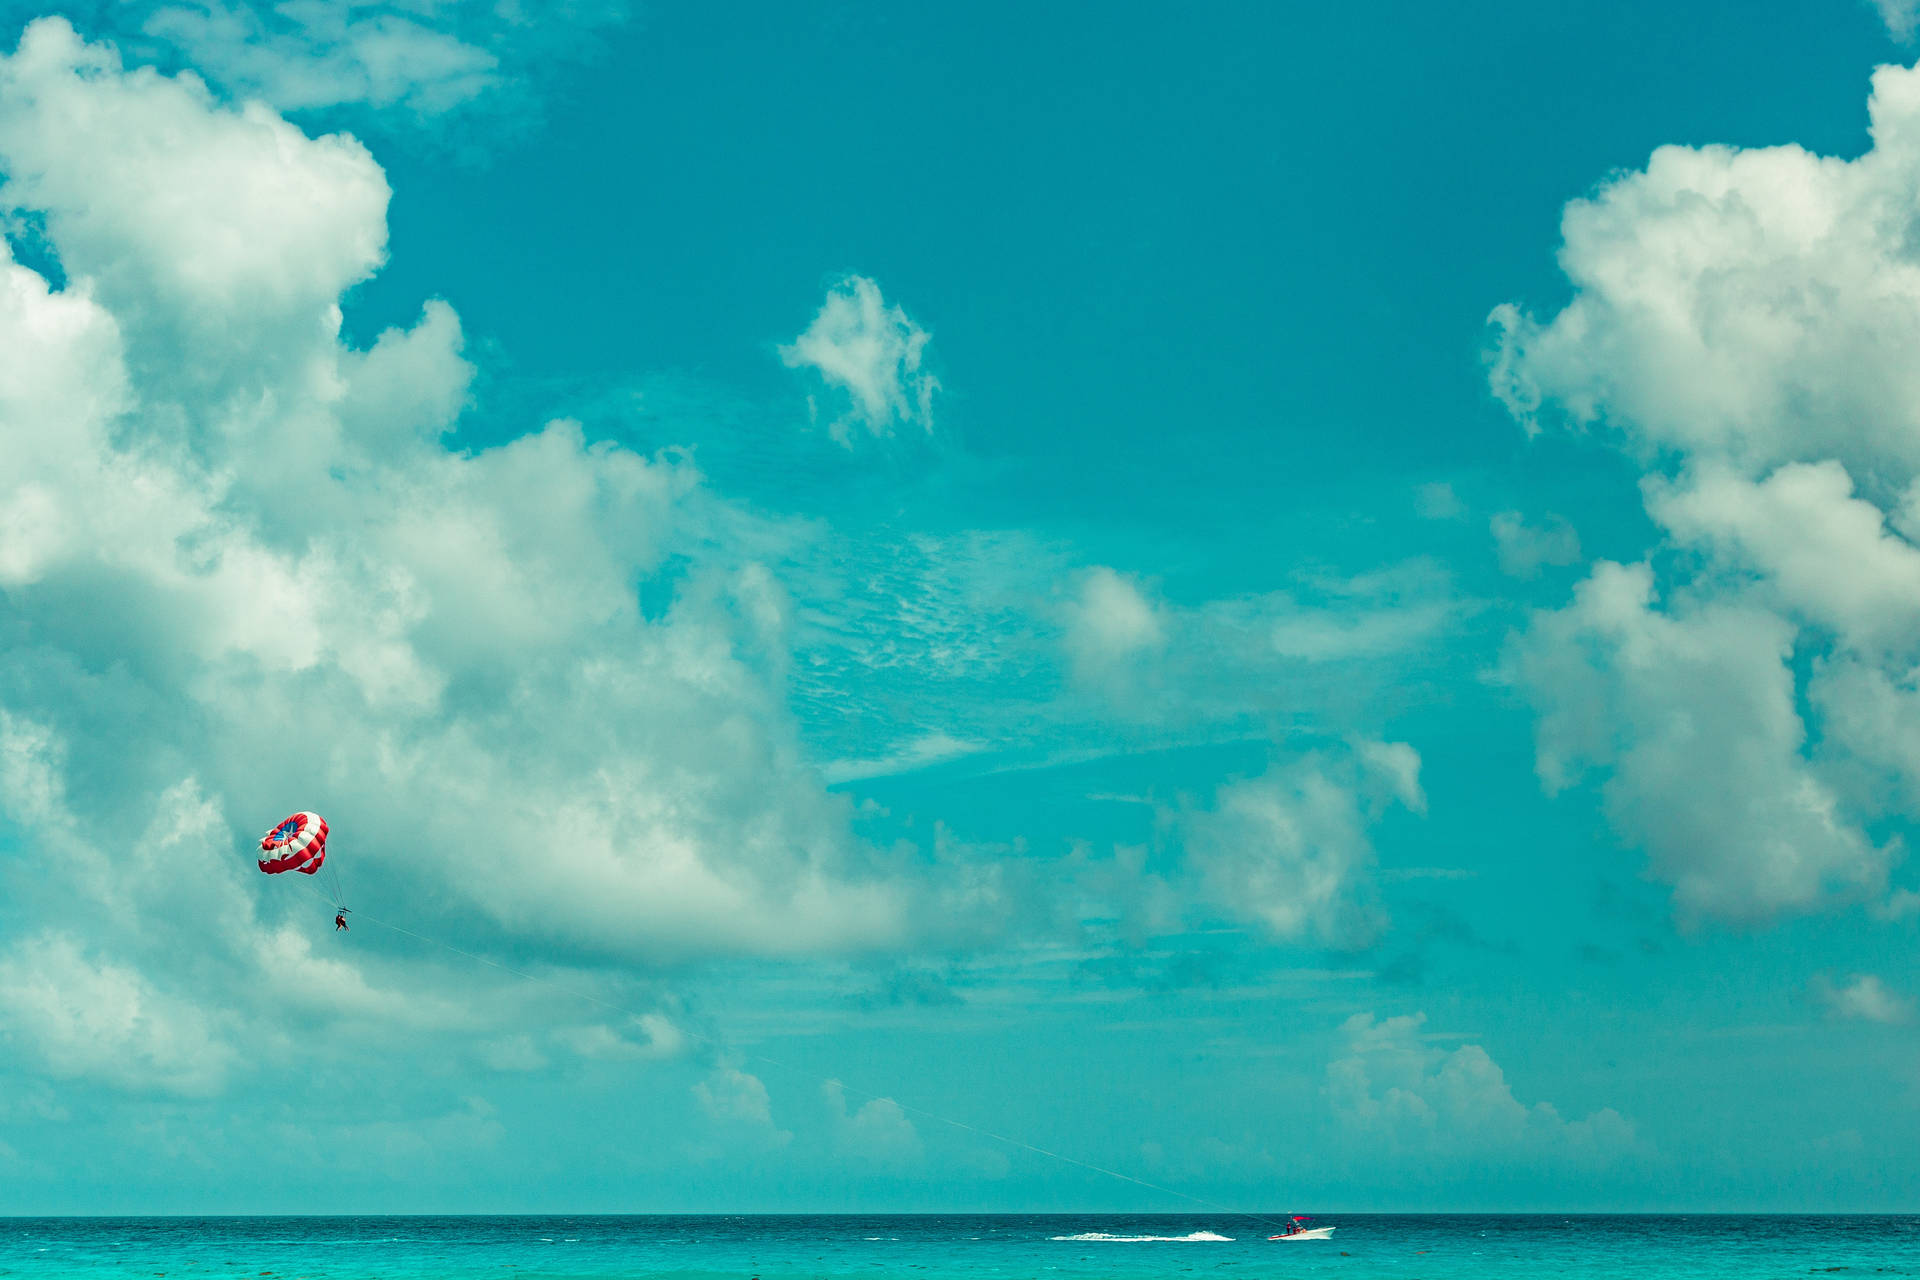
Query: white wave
x,y
1109,1239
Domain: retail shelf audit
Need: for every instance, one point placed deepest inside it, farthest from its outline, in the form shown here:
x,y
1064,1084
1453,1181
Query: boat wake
x,y
1104,1238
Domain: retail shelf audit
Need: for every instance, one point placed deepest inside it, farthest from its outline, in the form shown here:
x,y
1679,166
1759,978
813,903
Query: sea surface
x,y
1000,1247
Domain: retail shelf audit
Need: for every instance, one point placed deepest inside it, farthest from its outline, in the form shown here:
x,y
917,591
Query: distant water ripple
x,y
964,1247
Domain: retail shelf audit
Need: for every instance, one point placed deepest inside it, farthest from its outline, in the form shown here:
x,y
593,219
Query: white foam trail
x,y
1108,1239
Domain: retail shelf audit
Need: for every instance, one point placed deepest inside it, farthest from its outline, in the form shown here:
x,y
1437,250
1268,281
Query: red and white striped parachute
x,y
298,844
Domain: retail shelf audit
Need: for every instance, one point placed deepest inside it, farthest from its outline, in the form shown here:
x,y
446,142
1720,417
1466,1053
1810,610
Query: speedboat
x,y
1299,1230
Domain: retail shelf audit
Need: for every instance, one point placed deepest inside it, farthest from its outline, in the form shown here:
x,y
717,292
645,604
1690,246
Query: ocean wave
x,y
1104,1238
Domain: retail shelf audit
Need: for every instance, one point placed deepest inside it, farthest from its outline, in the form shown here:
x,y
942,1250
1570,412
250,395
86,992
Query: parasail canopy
x,y
298,844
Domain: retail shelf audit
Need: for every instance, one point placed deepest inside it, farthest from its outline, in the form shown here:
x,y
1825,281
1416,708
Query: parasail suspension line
x,y
865,1094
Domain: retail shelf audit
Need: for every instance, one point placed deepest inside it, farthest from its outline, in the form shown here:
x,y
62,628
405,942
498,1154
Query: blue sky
x,y
1312,607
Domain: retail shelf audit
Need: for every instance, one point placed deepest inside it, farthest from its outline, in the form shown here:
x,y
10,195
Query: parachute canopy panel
x,y
298,844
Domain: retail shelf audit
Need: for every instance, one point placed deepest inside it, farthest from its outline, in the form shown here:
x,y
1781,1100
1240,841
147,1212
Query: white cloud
x,y
1759,306
290,557
1901,17
226,234
1866,998
256,581
1110,622
1872,743
738,1098
1743,323
1291,849
311,53
663,1039
417,60
868,354
1396,765
657,1038
1525,549
413,383
92,1019
160,883
878,1132
923,752
1689,713
952,626
1395,1088
1820,551
1136,655
1370,615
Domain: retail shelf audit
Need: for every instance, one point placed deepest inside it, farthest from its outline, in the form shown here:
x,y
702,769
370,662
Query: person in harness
x,y
340,920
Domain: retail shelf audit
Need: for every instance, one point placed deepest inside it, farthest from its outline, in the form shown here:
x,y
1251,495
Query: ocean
x,y
1004,1247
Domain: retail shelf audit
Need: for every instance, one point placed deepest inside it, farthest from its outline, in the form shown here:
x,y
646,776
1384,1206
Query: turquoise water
x,y
1054,1247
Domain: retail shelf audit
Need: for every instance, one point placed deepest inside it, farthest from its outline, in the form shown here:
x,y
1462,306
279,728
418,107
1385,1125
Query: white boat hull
x,y
1315,1233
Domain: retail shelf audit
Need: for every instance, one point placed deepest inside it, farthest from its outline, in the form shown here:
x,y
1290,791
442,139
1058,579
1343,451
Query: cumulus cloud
x,y
216,242
878,1132
452,634
866,355
1754,305
85,1018
1394,1087
1110,621
1690,717
1819,551
1872,748
738,1098
151,885
1291,851
1866,998
256,580
1742,323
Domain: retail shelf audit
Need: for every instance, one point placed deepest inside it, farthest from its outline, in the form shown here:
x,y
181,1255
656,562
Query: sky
x,y
1310,605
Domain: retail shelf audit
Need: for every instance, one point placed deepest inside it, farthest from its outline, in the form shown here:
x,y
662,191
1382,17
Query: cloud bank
x,y
1395,1090
242,576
